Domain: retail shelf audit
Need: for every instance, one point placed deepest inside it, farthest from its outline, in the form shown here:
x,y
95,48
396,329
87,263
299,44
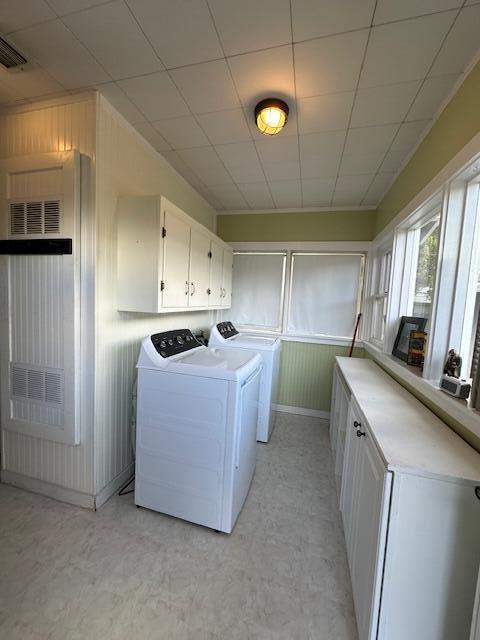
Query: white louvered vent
x,y
37,385
35,217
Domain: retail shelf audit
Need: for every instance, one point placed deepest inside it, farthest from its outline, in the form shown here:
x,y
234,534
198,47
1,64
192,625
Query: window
x,y
258,288
426,237
379,300
324,292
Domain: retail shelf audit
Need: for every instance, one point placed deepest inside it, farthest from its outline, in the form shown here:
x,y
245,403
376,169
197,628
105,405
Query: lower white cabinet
x,y
410,512
338,421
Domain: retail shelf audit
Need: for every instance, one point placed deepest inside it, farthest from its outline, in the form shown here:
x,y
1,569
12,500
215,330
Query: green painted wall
x,y
306,371
297,226
457,124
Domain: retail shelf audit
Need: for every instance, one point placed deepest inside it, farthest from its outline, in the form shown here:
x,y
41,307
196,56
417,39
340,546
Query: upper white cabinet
x,y
410,510
166,261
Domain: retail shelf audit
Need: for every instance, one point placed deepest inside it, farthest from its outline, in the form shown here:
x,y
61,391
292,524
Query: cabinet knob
x,y
209,292
360,433
193,289
356,424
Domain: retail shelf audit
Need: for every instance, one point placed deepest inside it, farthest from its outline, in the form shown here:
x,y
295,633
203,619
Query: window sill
x,y
454,408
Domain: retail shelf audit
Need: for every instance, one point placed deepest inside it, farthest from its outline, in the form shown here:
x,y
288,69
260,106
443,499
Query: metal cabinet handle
x,y
193,289
356,424
360,433
186,287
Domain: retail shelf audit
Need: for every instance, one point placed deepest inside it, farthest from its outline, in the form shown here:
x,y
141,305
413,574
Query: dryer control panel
x,y
170,343
226,329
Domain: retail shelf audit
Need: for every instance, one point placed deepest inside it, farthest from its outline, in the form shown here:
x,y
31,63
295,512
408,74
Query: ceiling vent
x,y
9,57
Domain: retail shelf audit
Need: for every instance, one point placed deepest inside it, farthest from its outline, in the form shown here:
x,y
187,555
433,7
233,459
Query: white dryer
x,y
225,335
196,428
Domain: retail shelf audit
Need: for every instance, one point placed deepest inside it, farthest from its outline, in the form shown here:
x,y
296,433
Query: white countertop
x,y
408,435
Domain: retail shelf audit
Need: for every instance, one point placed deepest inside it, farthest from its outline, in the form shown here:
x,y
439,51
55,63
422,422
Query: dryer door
x,y
245,441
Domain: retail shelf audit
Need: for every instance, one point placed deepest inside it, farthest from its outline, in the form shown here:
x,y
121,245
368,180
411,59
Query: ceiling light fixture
x,y
271,116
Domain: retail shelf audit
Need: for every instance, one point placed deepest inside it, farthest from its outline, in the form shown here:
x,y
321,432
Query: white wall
x,y
44,128
127,165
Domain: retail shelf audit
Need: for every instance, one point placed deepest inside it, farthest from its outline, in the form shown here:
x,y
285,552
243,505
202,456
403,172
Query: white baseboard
x,y
302,411
48,489
113,486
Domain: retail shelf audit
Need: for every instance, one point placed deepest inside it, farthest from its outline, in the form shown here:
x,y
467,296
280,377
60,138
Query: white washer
x,y
196,428
224,335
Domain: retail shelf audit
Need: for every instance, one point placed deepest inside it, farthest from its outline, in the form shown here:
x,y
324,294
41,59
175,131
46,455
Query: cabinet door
x,y
216,275
342,403
352,443
199,269
371,498
227,278
176,254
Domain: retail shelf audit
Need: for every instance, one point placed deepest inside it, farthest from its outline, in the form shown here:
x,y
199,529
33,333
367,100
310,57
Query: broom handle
x,y
354,335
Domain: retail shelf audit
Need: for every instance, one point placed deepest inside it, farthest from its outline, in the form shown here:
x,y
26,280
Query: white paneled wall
x,y
126,166
49,128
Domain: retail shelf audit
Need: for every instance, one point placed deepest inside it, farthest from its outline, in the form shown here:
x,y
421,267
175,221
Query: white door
x,y
216,275
342,419
371,497
227,278
176,253
352,442
199,269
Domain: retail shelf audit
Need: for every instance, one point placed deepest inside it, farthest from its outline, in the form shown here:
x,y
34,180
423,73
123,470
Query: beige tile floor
x,y
125,573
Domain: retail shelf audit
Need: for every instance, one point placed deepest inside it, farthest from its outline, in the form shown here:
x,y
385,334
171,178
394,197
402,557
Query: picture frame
x,y
407,324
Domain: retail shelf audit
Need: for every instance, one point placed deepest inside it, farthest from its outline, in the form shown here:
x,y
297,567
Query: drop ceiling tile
x,y
403,51
216,176
57,50
182,32
152,136
182,133
211,199
431,96
350,190
329,65
63,7
155,95
206,87
391,10
264,74
20,14
281,170
409,135
241,161
201,158
320,153
461,44
230,196
360,163
370,139
324,113
317,192
223,127
117,97
287,194
126,54
257,195
278,148
393,160
313,18
383,105
250,25
178,163
378,188
30,83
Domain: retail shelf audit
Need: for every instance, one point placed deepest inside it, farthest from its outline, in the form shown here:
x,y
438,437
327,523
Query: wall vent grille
x,y
36,385
35,217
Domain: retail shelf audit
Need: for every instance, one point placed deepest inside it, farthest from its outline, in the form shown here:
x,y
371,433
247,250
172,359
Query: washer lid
x,y
253,342
225,364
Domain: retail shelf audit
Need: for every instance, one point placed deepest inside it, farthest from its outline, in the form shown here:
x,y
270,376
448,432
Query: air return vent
x,y
36,217
9,57
37,385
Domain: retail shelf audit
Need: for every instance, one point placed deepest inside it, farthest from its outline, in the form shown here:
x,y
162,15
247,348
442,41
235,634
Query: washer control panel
x,y
170,343
226,329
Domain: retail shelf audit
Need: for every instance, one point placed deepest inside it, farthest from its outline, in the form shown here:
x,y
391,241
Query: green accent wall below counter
x,y
458,123
324,226
306,372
